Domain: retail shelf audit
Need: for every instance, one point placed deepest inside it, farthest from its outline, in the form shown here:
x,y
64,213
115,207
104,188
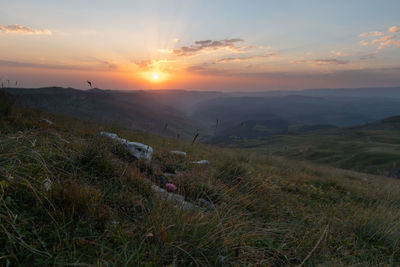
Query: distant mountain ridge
x,y
183,113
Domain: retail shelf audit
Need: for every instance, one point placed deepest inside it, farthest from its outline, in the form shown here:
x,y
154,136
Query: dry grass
x,y
101,209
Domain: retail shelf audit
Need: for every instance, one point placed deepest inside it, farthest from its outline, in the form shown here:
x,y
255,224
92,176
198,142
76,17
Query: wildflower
x,y
170,187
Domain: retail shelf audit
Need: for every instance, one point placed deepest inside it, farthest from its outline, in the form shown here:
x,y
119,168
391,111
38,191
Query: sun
x,y
155,76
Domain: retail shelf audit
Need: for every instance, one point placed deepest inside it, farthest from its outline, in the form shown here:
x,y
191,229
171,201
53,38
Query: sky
x,y
220,45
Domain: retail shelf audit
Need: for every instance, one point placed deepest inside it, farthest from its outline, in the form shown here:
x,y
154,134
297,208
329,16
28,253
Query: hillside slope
x,y
71,197
147,111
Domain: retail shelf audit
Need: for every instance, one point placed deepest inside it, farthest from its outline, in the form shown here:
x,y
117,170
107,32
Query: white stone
x,y
201,162
47,184
178,199
138,150
177,152
49,122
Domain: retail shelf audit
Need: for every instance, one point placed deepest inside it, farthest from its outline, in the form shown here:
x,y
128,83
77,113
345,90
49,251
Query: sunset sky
x,y
200,45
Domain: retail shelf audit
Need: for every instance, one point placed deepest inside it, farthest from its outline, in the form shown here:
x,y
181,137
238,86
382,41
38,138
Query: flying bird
x,y
90,83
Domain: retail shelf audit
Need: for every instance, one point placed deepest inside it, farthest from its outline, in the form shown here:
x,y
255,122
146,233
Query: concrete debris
x,y
137,150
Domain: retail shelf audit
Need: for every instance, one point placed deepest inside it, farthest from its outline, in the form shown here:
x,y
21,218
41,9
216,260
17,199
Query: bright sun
x,y
155,76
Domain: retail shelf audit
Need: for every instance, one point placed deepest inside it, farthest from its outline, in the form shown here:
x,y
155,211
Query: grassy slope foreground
x,y
100,209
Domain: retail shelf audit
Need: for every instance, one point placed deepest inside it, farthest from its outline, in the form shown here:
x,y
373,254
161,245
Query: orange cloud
x,y
241,59
203,45
394,29
365,34
21,29
322,62
386,41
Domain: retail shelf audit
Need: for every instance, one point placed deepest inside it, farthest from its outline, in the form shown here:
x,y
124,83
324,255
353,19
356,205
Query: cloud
x,y
21,29
18,64
329,61
369,56
394,29
336,53
198,68
302,79
110,65
92,66
204,45
386,41
144,64
176,40
149,64
366,34
241,59
322,61
383,39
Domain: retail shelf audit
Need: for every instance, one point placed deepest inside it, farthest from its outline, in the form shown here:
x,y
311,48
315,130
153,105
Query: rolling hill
x,y
69,196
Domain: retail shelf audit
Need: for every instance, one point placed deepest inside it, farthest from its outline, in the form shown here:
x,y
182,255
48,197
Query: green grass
x,y
101,209
374,152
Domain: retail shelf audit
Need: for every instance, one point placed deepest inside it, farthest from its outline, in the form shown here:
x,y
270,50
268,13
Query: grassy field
x,y
100,210
363,150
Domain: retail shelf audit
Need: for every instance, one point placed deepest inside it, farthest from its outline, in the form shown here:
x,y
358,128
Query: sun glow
x,y
155,76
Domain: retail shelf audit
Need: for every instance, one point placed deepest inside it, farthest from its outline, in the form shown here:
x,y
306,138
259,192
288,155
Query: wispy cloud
x,y
336,53
322,61
18,64
339,78
143,64
366,34
96,65
241,59
369,56
394,29
208,45
149,64
387,41
21,29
